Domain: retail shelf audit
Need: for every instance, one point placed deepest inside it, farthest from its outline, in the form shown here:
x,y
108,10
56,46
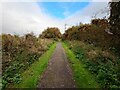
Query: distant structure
x,y
65,26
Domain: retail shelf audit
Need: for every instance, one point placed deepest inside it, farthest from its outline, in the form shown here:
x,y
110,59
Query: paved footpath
x,y
58,73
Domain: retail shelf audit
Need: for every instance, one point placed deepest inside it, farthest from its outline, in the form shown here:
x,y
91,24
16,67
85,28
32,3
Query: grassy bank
x,y
31,76
82,76
102,63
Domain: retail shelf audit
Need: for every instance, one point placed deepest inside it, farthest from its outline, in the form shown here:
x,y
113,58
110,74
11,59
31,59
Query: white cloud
x,y
0,18
85,15
24,17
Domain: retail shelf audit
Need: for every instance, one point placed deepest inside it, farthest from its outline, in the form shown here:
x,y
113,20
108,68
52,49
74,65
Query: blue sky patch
x,y
62,9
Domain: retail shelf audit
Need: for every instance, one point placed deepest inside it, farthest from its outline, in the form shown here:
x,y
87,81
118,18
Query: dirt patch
x,y
58,73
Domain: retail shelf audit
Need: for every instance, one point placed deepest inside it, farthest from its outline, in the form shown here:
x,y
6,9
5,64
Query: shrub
x,y
105,66
18,53
53,33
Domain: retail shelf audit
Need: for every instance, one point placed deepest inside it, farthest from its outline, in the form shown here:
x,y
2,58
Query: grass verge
x,y
83,78
31,76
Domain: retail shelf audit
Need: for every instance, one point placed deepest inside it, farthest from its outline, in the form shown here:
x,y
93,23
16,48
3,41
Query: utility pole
x,y
65,26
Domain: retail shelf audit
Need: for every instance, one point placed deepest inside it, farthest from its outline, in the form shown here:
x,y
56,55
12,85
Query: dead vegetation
x,y
18,53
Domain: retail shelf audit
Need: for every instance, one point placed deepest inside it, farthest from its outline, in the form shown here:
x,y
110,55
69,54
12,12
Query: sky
x,y
24,17
62,9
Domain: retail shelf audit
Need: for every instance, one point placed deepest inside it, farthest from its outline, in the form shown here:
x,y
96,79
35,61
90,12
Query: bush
x,y
18,53
53,33
104,67
96,33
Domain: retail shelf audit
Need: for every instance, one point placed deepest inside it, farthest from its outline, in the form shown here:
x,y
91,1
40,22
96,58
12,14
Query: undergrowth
x,y
103,64
18,54
82,77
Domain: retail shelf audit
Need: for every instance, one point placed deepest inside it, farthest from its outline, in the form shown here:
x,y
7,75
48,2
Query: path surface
x,y
58,73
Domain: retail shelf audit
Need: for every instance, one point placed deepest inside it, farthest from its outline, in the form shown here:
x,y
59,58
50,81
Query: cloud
x,y
66,13
85,15
24,17
0,18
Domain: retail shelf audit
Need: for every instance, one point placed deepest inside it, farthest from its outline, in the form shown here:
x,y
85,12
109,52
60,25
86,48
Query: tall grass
x,y
18,53
31,76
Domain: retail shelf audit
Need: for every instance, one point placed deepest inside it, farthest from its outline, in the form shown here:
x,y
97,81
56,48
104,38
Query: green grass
x,y
83,78
31,76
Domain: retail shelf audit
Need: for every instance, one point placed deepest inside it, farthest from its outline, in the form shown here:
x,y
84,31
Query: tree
x,y
51,33
115,23
115,17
